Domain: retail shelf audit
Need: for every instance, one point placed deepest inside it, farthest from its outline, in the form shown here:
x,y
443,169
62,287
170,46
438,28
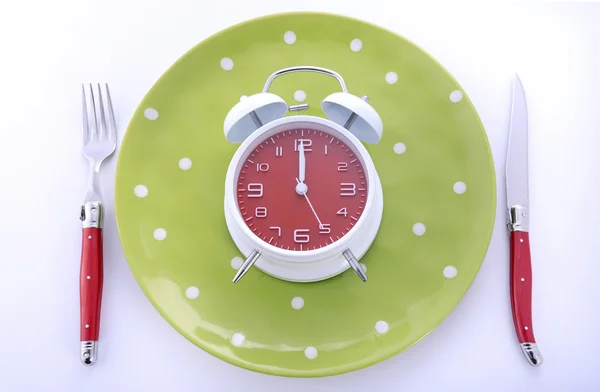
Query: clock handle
x,y
305,68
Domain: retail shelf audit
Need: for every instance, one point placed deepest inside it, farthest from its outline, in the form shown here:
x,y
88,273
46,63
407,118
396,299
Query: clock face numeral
x,y
342,211
276,228
255,189
326,149
260,212
342,166
325,229
347,189
307,143
278,151
262,167
301,236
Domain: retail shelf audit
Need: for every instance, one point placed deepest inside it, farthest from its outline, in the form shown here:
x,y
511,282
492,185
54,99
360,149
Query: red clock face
x,y
298,214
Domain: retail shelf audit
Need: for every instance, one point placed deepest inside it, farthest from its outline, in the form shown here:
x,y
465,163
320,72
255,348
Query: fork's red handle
x,y
90,283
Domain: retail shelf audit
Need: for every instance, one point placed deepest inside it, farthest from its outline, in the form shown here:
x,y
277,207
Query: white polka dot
x,y
89,237
522,279
289,37
419,229
192,292
87,325
236,263
227,63
381,327
140,191
450,272
300,96
88,277
391,77
459,187
364,267
185,163
526,328
456,96
399,148
521,240
237,339
311,352
151,114
297,302
160,234
355,45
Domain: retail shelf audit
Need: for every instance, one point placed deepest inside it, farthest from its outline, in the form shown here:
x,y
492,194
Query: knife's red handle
x,y
90,283
520,285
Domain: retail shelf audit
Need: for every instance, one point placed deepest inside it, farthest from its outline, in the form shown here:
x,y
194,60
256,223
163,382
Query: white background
x,y
47,48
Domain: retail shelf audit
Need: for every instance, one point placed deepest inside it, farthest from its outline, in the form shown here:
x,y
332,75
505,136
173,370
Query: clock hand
x,y
301,187
301,162
308,200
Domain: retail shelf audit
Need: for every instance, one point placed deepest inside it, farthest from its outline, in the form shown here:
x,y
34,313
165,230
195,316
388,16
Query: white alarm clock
x,y
303,200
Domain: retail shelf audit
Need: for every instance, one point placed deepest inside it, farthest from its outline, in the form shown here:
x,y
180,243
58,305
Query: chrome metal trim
x,y
298,108
358,269
255,118
254,255
532,353
89,350
518,218
92,214
353,116
305,68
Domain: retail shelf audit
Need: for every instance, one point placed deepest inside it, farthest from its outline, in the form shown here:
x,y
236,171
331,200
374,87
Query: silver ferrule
x,y
89,352
518,218
92,214
532,353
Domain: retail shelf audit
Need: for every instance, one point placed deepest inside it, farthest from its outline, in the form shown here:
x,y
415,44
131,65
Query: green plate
x,y
436,170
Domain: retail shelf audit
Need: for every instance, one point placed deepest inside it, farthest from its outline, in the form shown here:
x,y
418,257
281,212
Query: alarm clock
x,y
303,200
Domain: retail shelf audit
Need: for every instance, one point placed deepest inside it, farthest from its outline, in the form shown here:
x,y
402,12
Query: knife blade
x,y
517,197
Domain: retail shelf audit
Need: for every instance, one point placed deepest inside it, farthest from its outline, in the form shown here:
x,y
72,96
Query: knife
x,y
517,198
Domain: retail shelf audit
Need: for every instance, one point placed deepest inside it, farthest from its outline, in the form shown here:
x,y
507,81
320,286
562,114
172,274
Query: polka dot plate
x,y
435,166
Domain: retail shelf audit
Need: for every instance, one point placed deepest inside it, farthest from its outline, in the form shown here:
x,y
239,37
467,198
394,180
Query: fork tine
x,y
84,117
94,133
102,131
112,126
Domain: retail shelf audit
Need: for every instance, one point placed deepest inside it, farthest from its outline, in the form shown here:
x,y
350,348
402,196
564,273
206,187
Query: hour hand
x,y
301,187
301,162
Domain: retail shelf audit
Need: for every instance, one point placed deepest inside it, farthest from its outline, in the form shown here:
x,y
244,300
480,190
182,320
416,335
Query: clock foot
x,y
358,269
247,265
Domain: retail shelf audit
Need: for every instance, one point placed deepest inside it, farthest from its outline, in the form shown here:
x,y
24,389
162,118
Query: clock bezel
x,y
252,142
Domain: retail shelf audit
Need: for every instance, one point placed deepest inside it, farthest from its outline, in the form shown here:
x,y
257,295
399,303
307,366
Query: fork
x,y
99,142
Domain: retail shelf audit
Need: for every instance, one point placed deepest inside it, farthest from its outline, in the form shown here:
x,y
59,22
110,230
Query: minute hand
x,y
311,207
